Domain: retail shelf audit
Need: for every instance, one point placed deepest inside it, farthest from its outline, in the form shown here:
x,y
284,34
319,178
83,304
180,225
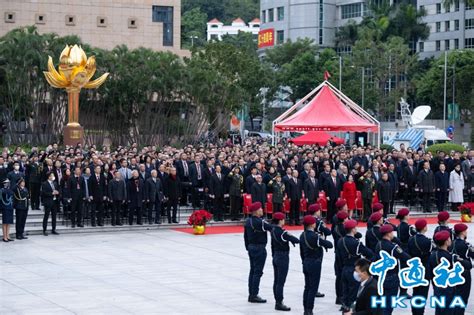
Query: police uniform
x,y
420,246
372,237
404,232
444,227
337,231
281,259
392,282
349,250
321,228
255,237
465,251
311,251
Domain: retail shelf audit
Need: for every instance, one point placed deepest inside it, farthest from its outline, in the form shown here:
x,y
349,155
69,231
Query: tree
x,y
285,53
193,28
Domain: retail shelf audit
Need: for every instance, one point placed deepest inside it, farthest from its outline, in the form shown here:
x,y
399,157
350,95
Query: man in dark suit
x,y
98,193
135,196
217,192
332,188
196,174
325,175
250,180
442,187
33,172
311,188
50,199
409,180
426,182
172,189
367,289
78,192
153,197
294,194
182,170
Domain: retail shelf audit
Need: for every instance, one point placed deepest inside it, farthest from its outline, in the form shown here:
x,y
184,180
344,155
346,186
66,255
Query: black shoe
x,y
320,295
256,299
45,233
100,224
6,241
80,225
120,224
282,307
308,312
338,301
140,223
24,237
73,226
10,240
19,238
175,221
113,224
54,233
93,225
157,222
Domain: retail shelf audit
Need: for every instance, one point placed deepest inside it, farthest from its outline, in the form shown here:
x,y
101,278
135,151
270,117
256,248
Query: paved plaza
x,y
147,272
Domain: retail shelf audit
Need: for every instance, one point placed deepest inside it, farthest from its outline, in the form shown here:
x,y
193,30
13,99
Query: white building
x,y
216,29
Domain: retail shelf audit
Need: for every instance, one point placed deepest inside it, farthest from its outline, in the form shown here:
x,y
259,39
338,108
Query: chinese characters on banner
x,y
266,38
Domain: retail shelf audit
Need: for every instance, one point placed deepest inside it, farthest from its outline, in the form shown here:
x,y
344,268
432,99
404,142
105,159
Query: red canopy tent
x,y
327,112
316,137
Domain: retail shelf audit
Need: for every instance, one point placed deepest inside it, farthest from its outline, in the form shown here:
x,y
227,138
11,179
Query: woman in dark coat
x,y
6,205
66,193
20,203
172,190
235,192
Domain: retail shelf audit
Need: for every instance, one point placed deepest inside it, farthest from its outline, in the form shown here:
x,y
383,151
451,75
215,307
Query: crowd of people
x,y
108,185
355,285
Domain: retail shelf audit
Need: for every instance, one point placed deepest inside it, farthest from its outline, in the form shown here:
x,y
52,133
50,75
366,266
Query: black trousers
x,y
422,291
280,262
116,213
171,210
131,213
235,206
409,196
218,210
185,189
392,201
154,206
97,212
426,202
295,210
367,205
331,208
196,196
441,198
277,207
386,208
20,221
53,210
35,195
76,211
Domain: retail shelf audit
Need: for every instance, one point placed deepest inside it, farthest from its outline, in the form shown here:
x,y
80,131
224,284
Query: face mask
x,y
357,276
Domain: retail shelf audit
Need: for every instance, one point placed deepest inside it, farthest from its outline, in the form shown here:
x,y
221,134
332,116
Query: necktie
x,y
77,183
185,166
360,290
198,171
334,181
219,176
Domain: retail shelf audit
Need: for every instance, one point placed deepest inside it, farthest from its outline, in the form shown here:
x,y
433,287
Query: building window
x,y
469,42
9,17
280,13
70,20
446,44
422,7
101,21
321,21
271,15
132,23
456,6
438,27
469,24
456,43
214,37
446,26
351,10
448,8
280,37
164,14
422,46
438,8
456,25
264,16
438,45
40,19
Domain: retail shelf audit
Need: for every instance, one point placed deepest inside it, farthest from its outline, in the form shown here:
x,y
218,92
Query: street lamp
x,y
362,85
445,96
340,71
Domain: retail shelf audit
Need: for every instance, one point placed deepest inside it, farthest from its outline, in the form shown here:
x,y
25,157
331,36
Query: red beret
x,y
460,227
377,206
386,228
375,217
278,216
420,224
403,212
315,207
340,203
342,215
443,216
348,225
442,236
255,206
309,219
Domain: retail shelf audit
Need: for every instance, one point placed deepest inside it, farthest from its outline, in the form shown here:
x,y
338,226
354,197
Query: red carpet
x,y
238,228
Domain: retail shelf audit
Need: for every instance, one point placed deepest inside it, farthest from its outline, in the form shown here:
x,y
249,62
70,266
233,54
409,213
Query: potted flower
x,y
198,220
466,209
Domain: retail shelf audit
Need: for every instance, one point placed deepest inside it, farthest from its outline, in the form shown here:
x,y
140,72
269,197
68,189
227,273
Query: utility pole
x,y
445,79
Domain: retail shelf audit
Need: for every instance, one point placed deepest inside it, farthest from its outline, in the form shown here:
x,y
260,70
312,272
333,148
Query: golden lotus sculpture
x,y
75,72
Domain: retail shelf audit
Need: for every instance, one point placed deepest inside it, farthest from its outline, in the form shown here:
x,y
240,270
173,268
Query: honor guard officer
x,y
373,236
464,250
255,237
442,240
349,249
392,282
321,229
281,258
404,232
420,246
377,208
443,218
311,250
337,230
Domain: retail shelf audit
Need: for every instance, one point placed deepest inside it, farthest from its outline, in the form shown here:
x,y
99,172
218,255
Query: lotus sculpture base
x,y
199,229
73,134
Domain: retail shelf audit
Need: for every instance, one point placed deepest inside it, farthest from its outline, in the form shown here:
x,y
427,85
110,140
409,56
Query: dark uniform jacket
x,y
278,192
367,188
465,251
426,181
98,188
385,191
77,187
321,228
440,228
349,249
442,181
312,245
135,192
172,187
236,184
117,190
255,231
153,190
20,198
409,176
420,246
395,251
404,232
372,237
281,239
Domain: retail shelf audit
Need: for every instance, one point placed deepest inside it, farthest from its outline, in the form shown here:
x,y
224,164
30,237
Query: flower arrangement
x,y
466,209
199,217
